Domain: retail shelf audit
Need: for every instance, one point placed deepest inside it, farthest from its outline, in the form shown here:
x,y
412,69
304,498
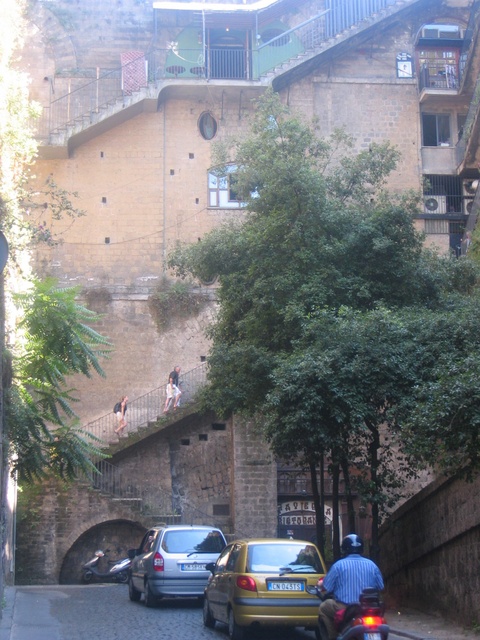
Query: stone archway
x,y
115,535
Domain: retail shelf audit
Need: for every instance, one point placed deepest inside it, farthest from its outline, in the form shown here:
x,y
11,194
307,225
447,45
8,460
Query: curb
x,y
6,621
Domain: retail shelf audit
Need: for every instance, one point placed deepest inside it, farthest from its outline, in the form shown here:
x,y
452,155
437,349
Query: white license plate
x,y
372,636
285,586
193,567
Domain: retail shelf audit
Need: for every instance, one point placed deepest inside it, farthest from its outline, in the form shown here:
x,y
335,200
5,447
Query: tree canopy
x,y
330,309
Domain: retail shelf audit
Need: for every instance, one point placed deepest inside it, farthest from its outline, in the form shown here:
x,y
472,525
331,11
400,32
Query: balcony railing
x,y
164,506
439,76
84,96
298,483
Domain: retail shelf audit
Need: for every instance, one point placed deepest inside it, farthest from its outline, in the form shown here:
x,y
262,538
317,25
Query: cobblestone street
x,y
104,611
53,612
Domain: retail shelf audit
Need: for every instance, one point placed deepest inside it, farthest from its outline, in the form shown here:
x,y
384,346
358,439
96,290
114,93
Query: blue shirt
x,y
349,576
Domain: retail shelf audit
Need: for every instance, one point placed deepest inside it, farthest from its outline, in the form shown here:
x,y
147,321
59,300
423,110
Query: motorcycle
x,y
118,572
362,621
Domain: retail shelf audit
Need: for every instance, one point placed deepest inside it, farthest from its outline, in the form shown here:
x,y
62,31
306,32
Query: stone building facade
x,y
135,95
141,165
181,472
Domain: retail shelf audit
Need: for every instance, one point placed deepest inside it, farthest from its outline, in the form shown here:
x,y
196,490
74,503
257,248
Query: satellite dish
x,y
3,251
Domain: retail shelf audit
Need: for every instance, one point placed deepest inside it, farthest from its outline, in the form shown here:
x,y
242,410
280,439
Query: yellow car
x,y
263,582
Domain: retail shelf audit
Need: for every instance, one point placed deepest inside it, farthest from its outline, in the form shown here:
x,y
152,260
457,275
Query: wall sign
x,y
300,512
404,65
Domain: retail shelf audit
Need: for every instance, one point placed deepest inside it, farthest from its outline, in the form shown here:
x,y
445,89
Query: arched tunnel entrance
x,y
116,535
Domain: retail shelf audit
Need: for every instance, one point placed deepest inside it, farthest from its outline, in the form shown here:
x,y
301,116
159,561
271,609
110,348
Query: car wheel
x,y
234,631
208,619
133,594
150,599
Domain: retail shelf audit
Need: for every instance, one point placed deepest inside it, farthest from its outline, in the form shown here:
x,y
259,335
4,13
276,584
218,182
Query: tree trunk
x,y
319,504
335,511
348,493
373,448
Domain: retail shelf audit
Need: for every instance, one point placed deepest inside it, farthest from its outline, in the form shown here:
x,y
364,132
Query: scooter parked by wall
x,y
118,572
362,621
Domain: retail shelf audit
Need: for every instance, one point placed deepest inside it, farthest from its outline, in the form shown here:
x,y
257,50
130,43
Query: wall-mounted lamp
x,y
50,80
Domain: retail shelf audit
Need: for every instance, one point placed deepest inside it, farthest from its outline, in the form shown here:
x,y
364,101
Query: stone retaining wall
x,y
431,551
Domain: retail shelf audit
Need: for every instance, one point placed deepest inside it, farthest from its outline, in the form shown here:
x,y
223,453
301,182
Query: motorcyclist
x,y
346,580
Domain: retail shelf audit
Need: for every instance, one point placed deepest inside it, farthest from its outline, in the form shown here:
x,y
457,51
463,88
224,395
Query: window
x,y
436,130
222,188
436,226
207,126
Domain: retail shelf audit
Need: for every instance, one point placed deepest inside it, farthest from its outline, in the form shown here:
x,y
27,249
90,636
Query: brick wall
x,y
430,551
184,468
254,482
52,524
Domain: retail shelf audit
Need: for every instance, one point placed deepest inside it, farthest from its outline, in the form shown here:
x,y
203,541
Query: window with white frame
x,y
222,191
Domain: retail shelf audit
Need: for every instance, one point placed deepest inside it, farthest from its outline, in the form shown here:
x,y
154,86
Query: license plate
x,y
193,567
285,586
372,636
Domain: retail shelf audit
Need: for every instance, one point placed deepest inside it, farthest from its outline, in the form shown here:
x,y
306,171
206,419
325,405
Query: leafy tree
x,y
440,422
313,283
56,342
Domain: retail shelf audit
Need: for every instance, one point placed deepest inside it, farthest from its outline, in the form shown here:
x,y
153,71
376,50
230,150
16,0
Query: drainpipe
x,y
164,198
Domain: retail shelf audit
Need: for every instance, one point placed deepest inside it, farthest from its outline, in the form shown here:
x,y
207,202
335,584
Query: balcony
x,y
295,482
439,75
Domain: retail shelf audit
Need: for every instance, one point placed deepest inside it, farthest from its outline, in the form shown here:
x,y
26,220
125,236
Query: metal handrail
x,y
84,103
151,501
144,410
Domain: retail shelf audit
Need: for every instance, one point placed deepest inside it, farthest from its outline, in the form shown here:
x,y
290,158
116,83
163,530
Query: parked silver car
x,y
171,561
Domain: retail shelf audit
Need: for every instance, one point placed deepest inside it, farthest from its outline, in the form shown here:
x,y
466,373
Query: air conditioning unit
x,y
435,204
470,187
468,206
442,31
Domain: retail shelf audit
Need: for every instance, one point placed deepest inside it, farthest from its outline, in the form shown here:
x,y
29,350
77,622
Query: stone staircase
x,y
145,414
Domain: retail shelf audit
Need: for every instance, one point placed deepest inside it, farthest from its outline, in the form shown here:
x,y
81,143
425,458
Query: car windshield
x,y
284,558
193,541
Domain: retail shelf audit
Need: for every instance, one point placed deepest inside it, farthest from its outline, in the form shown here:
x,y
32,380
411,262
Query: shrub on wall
x,y
175,302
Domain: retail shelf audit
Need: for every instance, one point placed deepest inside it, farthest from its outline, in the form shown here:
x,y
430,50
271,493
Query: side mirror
x,y
210,566
131,553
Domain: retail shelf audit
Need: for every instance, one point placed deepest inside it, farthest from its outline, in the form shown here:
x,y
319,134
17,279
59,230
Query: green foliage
x,y
440,424
173,301
334,322
57,342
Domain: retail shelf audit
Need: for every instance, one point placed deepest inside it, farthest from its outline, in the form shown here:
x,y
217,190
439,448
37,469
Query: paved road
x,y
104,611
